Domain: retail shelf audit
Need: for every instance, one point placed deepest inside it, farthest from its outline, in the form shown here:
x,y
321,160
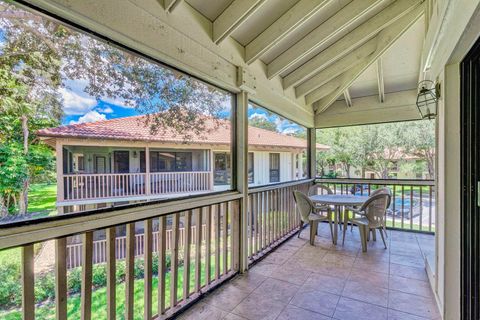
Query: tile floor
x,y
299,281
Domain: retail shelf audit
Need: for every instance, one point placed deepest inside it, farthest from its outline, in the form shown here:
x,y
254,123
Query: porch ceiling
x,y
297,57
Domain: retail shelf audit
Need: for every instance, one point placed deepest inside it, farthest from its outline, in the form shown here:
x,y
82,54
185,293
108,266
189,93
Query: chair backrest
x,y
319,189
375,208
304,205
383,190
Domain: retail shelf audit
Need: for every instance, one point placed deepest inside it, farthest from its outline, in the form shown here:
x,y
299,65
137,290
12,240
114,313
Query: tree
x,y
421,143
261,122
39,56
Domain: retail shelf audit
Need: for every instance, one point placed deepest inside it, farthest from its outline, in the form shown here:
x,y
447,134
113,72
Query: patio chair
x,y
372,217
321,189
383,190
308,214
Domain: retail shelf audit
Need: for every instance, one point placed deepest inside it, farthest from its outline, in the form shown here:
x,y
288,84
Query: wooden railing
x,y
189,262
122,185
179,182
413,201
74,251
272,216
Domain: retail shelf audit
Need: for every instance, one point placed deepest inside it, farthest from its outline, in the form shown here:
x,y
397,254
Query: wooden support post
x,y
148,266
312,153
129,271
28,283
87,262
241,153
61,278
111,269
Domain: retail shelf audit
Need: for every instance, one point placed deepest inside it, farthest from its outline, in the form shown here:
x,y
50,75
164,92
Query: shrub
x,y
99,275
45,287
11,288
75,280
120,272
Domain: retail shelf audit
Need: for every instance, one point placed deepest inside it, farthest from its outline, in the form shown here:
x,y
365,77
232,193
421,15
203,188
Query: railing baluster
x,y
28,283
162,269
147,251
225,237
217,241
186,254
430,210
86,291
421,208
208,245
198,249
61,278
411,207
129,271
174,260
111,269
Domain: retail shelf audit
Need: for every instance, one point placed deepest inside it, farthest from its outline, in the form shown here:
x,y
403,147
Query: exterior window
x,y
222,172
251,172
81,163
170,161
274,167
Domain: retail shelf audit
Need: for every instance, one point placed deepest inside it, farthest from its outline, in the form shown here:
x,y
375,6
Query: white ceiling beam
x,y
233,16
169,5
337,68
351,41
348,98
293,19
344,19
399,106
385,39
381,83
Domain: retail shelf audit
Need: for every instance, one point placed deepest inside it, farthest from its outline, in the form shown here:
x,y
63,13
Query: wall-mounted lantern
x,y
427,98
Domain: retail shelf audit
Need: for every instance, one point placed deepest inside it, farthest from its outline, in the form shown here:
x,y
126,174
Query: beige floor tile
x,y
277,290
418,287
291,273
263,268
333,270
247,282
372,266
417,261
348,309
232,316
276,258
257,308
397,315
369,294
408,272
413,304
203,311
316,301
321,282
367,278
339,260
294,313
226,297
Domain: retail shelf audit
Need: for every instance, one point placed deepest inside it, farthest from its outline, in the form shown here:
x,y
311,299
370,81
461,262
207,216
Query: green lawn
x,y
99,297
42,197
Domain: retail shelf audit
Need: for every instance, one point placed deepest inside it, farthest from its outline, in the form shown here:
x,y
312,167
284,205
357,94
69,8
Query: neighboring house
x,y
122,161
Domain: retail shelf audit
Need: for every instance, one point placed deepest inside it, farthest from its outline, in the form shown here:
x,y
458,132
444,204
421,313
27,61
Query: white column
x,y
60,184
312,152
147,171
242,172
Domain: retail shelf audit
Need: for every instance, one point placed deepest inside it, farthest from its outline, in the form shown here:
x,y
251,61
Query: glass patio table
x,y
338,201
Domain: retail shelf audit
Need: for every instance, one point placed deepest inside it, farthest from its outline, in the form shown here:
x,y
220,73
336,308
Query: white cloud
x,y
289,130
258,115
91,116
105,110
75,103
127,104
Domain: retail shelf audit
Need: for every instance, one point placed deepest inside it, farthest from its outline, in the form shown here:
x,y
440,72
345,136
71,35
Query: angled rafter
x,y
381,84
233,16
294,18
349,42
322,99
337,68
399,106
348,98
171,4
339,22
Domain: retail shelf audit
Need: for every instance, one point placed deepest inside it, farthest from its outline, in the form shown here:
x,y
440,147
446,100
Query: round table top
x,y
339,199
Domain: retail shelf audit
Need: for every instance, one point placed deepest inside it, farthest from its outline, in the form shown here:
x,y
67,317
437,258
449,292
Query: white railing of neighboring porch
x,y
120,185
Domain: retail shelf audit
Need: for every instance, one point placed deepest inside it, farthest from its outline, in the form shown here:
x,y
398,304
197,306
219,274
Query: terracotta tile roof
x,y
134,128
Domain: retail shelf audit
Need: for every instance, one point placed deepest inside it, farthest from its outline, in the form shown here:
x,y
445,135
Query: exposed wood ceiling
x,y
325,50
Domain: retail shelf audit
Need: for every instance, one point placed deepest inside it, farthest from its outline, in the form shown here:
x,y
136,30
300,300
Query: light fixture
x,y
135,154
427,99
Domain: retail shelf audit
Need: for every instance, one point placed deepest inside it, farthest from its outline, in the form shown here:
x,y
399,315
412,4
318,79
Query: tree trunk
x,y
23,204
3,206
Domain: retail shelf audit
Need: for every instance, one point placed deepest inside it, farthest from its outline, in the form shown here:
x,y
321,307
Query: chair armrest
x,y
355,210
